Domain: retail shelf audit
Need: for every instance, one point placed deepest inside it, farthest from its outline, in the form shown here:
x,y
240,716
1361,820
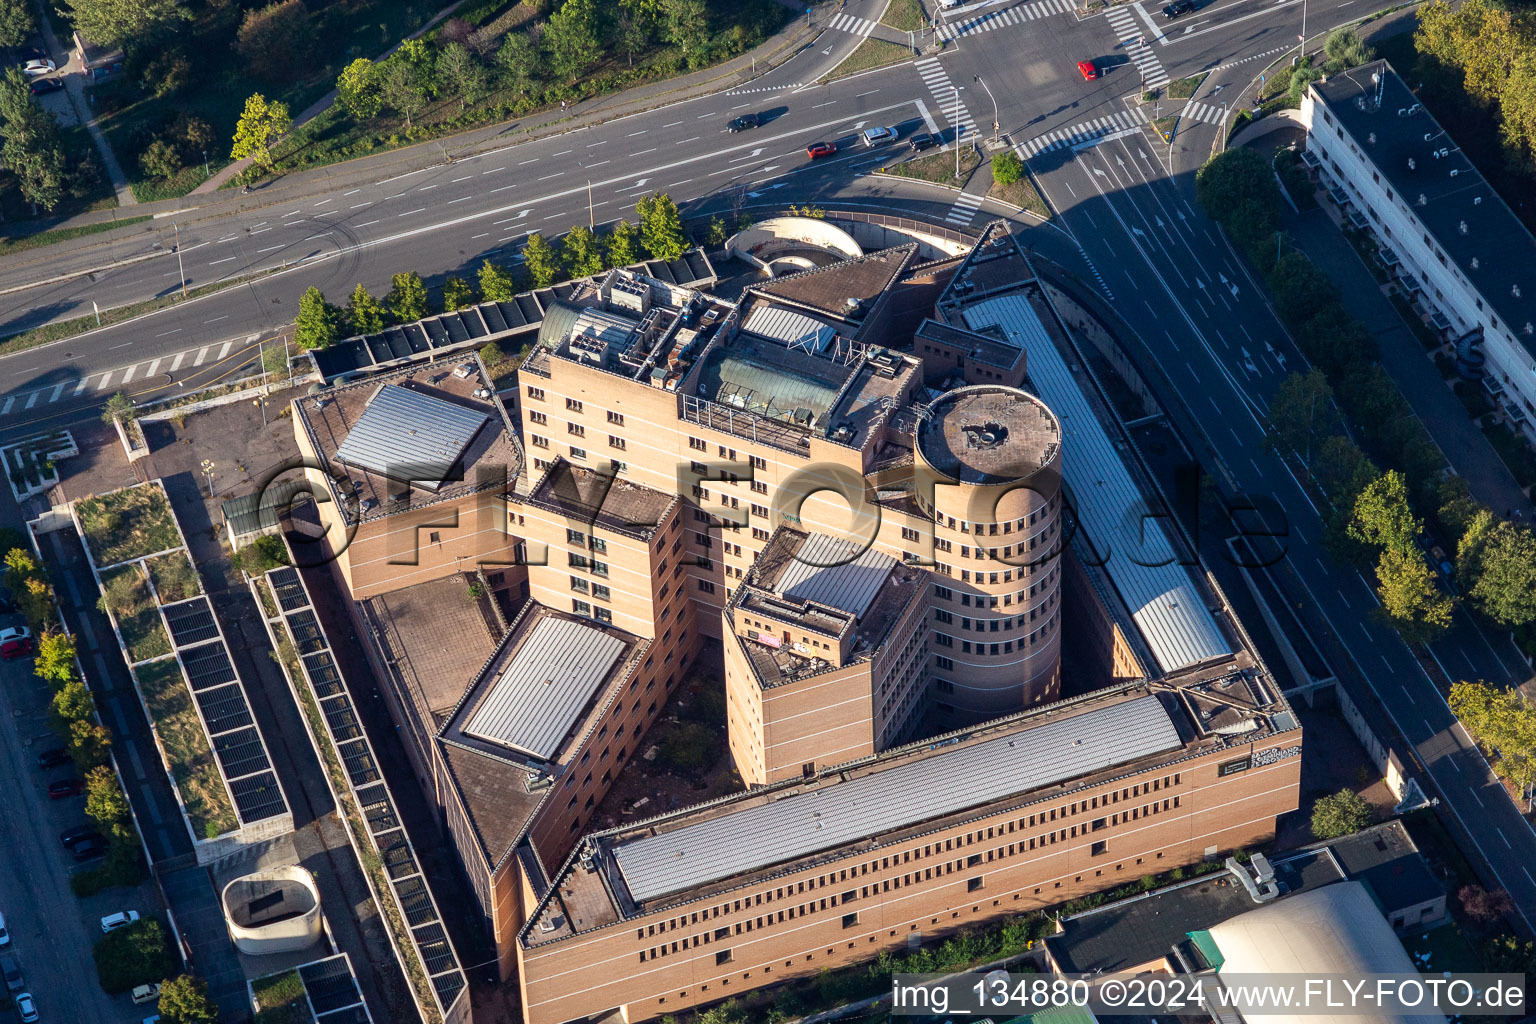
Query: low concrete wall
x,y
293,922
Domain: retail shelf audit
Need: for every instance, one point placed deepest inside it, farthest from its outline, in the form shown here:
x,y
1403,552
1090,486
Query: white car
x,y
26,1008
121,919
878,136
947,4
34,68
5,936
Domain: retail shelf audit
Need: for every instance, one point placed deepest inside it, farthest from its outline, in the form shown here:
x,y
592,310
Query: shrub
x,y
1339,814
136,955
1007,168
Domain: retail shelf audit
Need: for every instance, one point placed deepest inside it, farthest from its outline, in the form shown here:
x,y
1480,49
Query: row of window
x,y
1005,647
997,625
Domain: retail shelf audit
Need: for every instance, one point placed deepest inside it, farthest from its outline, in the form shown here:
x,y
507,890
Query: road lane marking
x,y
640,132
128,374
213,263
106,379
202,354
408,213
548,176
149,372
367,223
270,248
466,177
459,200
493,191
176,363
225,350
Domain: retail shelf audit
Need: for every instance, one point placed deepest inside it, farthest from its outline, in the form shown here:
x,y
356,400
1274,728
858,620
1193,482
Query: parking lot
x,y
52,932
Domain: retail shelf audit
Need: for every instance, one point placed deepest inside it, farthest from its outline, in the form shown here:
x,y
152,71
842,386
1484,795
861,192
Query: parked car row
x,y
15,983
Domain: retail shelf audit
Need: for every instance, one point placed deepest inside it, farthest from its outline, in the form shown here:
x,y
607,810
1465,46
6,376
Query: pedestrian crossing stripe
x,y
857,26
1133,40
1087,131
1001,19
964,209
944,95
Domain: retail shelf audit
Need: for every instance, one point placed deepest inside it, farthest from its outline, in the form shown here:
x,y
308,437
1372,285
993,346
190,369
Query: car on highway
x,y
53,757
921,141
743,123
15,642
1177,8
38,67
121,919
872,137
26,1008
78,834
1089,69
89,849
40,86
10,969
64,788
820,149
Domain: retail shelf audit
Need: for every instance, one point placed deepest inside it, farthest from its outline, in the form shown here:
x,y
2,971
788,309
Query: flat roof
x,y
545,688
1160,593
987,433
603,500
764,834
1443,189
411,435
835,572
1386,860
828,289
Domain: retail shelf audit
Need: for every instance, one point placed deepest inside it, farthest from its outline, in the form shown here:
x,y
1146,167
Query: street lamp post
x,y
959,128
208,474
181,267
1301,44
996,125
205,165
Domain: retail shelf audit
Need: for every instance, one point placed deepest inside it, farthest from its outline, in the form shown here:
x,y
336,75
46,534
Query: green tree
x,y
184,1000
1303,75
520,61
89,743
570,39
136,955
714,232
1383,516
1302,413
461,75
17,22
542,260
105,803
583,252
496,283
401,89
457,293
118,407
1007,168
1409,599
277,42
1339,814
1481,39
1504,723
1345,49
261,124
55,660
318,322
422,59
358,88
661,227
33,149
686,24
119,22
1505,585
1237,189
72,702
407,298
160,160
364,312
624,245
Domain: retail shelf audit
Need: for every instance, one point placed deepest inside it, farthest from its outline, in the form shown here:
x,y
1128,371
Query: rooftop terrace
x,y
594,498
987,434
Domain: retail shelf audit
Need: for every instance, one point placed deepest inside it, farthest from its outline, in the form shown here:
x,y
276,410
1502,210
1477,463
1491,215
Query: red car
x,y
818,149
15,642
64,788
1090,72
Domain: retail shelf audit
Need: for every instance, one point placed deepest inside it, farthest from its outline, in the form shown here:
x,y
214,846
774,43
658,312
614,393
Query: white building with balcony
x,y
1458,250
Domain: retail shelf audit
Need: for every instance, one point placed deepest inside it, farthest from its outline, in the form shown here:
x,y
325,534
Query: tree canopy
x,y
1339,814
318,322
261,124
661,227
122,22
1383,516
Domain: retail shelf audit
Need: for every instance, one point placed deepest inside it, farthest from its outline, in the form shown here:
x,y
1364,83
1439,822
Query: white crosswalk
x,y
1001,19
944,94
105,380
848,23
1132,37
1087,131
964,209
1203,112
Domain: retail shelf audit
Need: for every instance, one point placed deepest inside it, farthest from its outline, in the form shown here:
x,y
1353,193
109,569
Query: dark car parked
x,y
53,757
921,141
90,849
78,834
744,122
39,86
64,788
1177,8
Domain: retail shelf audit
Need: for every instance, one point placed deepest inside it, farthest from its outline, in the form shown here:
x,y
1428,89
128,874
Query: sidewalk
x,y
771,53
1442,413
73,73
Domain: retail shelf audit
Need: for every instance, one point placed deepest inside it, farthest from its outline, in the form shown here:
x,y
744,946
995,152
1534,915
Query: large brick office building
x,y
892,492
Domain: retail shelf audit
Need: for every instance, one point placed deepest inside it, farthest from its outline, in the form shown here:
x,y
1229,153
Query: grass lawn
x,y
130,523
903,16
1164,125
42,238
1447,948
280,999
169,701
938,167
1022,193
1184,88
126,595
872,53
173,577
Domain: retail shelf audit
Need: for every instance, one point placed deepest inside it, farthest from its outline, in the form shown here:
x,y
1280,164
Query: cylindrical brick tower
x,y
988,472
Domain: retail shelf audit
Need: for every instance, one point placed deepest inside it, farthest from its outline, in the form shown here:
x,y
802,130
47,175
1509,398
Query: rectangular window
x,y
537,441
758,487
722,957
599,568
697,444
973,884
537,394
601,592
616,418
578,584
603,615
573,405
907,533
578,453
581,608
599,546
616,442
534,416
576,430
1098,849
850,920
575,537
706,586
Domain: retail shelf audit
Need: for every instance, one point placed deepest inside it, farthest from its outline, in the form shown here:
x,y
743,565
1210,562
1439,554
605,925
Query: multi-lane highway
x,y
1127,224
